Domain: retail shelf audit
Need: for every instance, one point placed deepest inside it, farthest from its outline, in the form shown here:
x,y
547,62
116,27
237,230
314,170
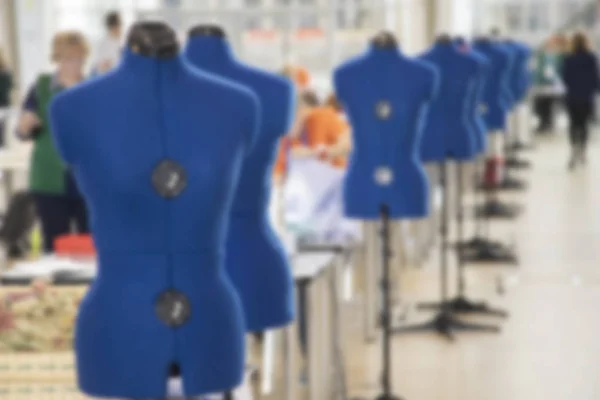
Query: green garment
x,y
546,62
47,172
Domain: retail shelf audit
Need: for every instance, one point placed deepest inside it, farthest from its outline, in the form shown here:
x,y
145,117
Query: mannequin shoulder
x,y
423,69
85,94
470,63
267,85
428,56
221,92
351,67
479,58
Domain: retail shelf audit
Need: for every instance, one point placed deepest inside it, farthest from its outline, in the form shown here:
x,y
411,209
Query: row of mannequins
x,y
173,152
406,112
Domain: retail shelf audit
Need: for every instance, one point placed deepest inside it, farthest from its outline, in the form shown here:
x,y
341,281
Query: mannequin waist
x,y
399,162
401,171
132,267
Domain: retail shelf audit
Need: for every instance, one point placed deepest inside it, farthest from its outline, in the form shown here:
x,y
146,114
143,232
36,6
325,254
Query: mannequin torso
x,y
255,257
476,99
156,149
511,53
495,113
519,73
385,96
447,133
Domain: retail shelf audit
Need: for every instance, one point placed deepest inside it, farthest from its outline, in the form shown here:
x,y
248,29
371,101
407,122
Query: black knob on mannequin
x,y
207,30
443,39
153,39
385,40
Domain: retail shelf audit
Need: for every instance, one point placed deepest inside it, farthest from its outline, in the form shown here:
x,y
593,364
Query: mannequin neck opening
x,y
154,40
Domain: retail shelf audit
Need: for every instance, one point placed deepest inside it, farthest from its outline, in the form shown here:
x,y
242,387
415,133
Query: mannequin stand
x,y
460,304
511,150
494,208
519,146
515,162
512,183
481,249
386,343
444,322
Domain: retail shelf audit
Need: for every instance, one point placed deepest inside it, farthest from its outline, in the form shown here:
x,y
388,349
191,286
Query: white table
x,y
319,274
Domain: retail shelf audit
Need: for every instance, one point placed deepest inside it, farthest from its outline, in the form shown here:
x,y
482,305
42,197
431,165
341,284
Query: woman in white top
x,y
109,49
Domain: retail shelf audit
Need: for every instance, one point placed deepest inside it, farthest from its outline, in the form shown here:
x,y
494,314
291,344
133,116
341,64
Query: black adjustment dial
x,y
383,110
173,308
169,179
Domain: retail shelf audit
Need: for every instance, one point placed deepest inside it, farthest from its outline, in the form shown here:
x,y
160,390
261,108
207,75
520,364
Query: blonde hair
x,y
68,40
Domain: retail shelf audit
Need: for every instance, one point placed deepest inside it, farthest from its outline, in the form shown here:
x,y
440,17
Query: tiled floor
x,y
549,348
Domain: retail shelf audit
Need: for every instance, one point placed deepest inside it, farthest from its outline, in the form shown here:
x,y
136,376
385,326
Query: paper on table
x,y
314,202
45,267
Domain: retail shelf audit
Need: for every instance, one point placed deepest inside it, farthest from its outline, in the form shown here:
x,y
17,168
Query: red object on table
x,y
77,245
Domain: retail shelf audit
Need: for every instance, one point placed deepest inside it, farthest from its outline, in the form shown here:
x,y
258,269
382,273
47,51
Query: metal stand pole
x,y
444,322
461,304
386,346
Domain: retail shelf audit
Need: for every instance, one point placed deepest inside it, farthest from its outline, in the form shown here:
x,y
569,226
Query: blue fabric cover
x,y
495,89
475,118
526,74
409,86
113,131
508,97
255,259
521,76
448,133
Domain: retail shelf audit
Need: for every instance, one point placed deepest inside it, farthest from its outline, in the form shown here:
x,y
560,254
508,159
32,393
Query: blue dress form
x,y
476,120
255,257
156,148
508,97
448,133
494,93
385,96
519,79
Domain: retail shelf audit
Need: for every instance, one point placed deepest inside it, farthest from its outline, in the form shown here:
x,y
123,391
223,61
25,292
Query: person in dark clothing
x,y
582,81
58,201
6,84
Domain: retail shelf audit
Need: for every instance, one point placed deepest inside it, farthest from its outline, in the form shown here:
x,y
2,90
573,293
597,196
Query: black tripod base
x,y
489,253
518,146
384,397
477,243
510,183
461,305
496,209
446,325
388,397
517,163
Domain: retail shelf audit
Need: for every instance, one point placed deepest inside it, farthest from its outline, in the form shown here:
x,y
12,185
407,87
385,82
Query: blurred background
x,y
318,34
548,342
